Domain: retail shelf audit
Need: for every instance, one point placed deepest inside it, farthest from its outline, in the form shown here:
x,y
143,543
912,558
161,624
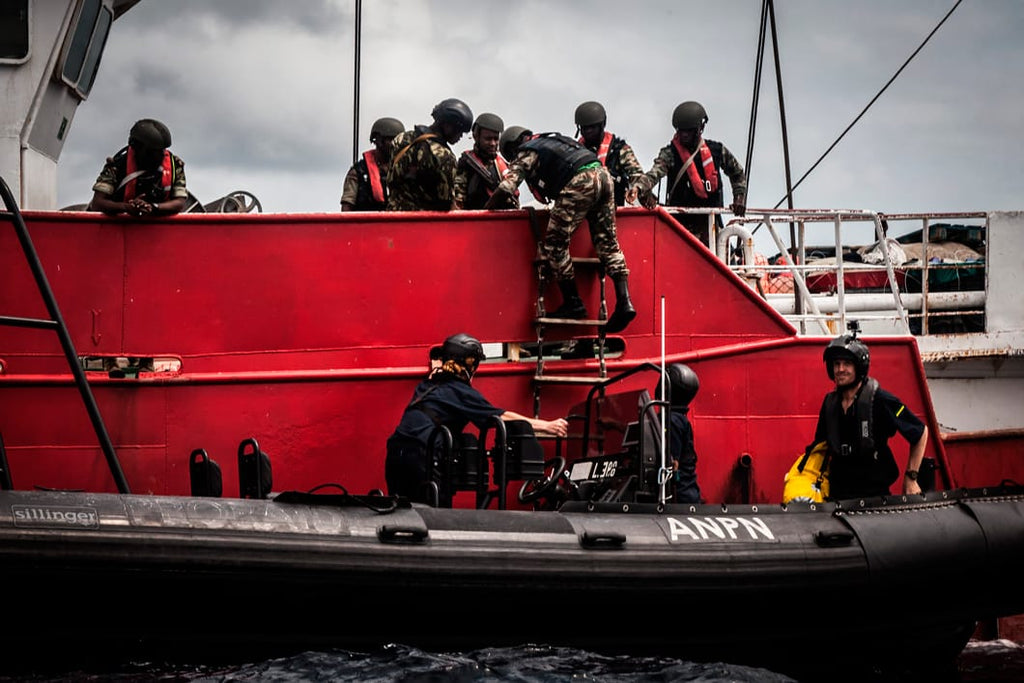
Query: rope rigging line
x,y
756,97
869,104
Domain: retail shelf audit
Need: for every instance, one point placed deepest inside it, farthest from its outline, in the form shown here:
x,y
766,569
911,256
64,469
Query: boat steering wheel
x,y
534,489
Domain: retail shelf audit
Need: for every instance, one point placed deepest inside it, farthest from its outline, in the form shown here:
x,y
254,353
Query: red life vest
x,y
709,184
602,149
166,180
373,171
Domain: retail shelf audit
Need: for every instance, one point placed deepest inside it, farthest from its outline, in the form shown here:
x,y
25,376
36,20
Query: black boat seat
x,y
462,464
255,478
204,475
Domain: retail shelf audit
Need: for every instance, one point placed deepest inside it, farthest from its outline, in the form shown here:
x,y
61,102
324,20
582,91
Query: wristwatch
x,y
911,474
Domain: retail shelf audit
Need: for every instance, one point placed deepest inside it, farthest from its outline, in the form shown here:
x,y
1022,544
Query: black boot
x,y
624,311
572,305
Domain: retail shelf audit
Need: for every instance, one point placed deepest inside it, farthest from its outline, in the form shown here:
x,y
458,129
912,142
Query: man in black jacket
x,y
857,420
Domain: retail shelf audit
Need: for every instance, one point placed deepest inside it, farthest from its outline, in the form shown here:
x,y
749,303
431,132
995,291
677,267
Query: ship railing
x,y
901,311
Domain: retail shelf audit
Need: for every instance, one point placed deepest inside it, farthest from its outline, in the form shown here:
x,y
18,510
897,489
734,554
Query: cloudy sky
x,y
259,94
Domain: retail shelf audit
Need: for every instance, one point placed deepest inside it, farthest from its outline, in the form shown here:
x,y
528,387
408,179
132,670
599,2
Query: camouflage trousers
x,y
591,195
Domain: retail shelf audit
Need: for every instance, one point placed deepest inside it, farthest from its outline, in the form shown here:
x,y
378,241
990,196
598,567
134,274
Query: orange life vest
x,y
702,187
166,179
373,171
602,149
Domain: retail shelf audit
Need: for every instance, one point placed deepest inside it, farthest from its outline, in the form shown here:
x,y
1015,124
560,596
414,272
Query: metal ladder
x,y
542,322
56,323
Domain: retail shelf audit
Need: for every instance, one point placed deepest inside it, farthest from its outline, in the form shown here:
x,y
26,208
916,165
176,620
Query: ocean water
x,y
982,661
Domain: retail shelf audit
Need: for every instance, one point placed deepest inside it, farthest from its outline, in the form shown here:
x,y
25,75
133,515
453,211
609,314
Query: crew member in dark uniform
x,y
683,386
446,398
857,420
366,183
560,169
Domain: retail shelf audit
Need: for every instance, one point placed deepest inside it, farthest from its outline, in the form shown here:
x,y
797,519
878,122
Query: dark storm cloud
x,y
261,93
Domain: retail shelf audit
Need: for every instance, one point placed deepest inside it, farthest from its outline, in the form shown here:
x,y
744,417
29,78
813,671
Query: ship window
x,y
85,47
14,31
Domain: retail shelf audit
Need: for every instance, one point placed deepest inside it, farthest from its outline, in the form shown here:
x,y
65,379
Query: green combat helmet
x,y
509,141
590,114
490,122
150,133
689,115
386,127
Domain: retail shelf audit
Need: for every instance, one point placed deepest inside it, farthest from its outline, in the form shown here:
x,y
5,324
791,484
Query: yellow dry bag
x,y
807,479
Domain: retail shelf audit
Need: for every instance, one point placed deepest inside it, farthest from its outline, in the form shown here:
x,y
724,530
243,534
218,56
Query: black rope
x,y
869,104
756,97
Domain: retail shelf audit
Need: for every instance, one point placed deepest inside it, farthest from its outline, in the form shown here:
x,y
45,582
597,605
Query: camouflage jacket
x,y
668,164
422,173
148,185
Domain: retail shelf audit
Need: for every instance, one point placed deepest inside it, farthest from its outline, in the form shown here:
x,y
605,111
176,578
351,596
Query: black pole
x,y
355,80
798,304
782,107
57,322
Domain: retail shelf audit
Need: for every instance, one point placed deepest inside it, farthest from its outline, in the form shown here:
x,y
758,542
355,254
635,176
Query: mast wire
x,y
869,104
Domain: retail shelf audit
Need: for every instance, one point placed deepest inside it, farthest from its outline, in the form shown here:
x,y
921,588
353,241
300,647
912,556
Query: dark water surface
x,y
981,661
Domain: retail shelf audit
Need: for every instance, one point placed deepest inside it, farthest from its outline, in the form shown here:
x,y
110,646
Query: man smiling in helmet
x,y
366,187
857,420
693,167
445,398
422,175
612,151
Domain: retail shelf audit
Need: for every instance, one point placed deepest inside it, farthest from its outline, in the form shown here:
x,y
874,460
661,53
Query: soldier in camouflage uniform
x,y
144,178
561,169
612,151
481,169
366,186
422,174
693,166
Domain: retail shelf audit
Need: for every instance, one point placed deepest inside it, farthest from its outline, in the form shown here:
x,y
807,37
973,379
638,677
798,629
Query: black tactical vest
x,y
560,158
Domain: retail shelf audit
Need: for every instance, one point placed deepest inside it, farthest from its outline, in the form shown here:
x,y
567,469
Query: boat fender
x,y
807,479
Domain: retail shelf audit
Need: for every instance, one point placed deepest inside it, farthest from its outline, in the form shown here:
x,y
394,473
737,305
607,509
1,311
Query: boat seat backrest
x,y
204,475
255,478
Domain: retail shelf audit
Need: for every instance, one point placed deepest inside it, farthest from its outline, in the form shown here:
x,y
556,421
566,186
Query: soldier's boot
x,y
624,311
572,305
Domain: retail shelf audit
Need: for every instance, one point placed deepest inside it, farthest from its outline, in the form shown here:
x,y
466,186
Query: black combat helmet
x,y
510,140
689,115
461,348
455,111
490,122
849,347
386,127
150,133
682,384
590,113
